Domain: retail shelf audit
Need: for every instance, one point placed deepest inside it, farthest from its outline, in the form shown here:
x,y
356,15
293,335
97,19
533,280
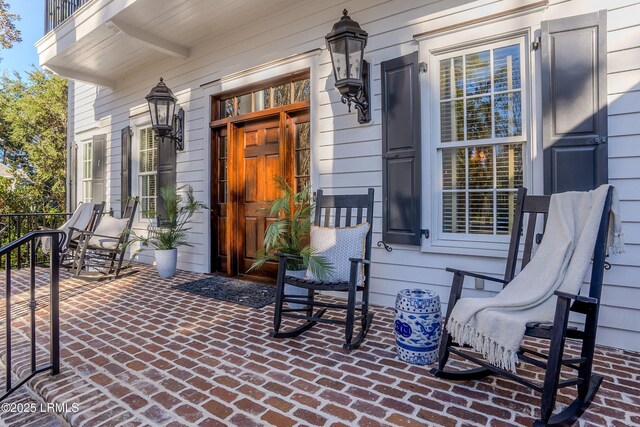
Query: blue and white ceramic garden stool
x,y
418,326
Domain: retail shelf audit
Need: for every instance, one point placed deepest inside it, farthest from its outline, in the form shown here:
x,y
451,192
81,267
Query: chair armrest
x,y
77,230
362,260
579,298
288,256
477,275
102,235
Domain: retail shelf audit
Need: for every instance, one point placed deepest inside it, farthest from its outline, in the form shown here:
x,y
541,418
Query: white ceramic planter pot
x,y
166,262
293,290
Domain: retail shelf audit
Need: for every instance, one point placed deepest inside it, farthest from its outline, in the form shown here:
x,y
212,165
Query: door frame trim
x,y
305,62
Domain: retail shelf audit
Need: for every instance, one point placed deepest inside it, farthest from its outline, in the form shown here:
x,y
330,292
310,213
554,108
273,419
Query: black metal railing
x,y
57,11
31,240
12,226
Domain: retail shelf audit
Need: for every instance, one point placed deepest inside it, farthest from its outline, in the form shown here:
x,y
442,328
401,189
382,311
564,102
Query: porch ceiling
x,y
109,39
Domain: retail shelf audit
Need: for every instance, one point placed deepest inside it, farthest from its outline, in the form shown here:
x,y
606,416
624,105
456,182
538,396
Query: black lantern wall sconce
x,y
162,106
346,42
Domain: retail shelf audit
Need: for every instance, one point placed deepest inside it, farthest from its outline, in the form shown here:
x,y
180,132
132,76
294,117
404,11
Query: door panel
x,y
260,155
244,166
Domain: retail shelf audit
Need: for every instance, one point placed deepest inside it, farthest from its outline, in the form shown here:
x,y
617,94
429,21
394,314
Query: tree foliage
x,y
33,129
9,34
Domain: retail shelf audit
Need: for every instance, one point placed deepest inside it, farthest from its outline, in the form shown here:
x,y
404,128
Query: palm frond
x,y
289,233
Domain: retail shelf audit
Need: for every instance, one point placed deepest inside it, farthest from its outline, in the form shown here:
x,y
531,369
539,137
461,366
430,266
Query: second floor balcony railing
x,y
57,11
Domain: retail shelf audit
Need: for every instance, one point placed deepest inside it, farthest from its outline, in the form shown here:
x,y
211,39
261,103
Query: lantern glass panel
x,y
162,111
338,55
355,48
153,112
171,110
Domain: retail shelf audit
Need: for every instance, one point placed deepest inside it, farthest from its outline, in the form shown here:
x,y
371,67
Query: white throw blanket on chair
x,y
495,326
80,220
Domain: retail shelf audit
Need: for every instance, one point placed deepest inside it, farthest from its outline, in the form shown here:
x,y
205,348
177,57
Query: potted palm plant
x,y
167,238
289,234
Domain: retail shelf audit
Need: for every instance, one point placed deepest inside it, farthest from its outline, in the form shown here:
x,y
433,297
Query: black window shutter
x,y
401,169
574,102
125,183
99,160
166,173
73,177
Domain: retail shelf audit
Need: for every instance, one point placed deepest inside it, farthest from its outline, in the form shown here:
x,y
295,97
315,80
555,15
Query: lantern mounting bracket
x,y
177,133
361,100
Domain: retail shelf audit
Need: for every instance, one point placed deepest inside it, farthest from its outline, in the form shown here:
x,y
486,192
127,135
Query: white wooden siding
x,y
339,139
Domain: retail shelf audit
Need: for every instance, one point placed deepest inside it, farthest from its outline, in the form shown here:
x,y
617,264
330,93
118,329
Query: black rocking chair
x,y
555,334
342,209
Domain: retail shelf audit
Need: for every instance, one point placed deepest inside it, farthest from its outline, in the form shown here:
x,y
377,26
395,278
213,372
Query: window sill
x,y
496,250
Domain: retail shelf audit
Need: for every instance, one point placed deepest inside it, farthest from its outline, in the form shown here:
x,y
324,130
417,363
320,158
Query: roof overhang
x,y
107,40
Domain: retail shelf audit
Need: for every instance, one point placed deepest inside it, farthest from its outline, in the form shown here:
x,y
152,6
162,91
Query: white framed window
x,y
478,145
87,172
148,172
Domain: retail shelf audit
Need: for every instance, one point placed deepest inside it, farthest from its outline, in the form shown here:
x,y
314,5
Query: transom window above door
x,y
481,132
275,96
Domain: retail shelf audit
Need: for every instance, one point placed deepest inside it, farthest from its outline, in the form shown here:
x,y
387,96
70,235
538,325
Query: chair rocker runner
x,y
102,250
553,334
340,208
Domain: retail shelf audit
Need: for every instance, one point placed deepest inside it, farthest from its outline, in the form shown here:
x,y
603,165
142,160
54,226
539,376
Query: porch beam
x,y
152,41
81,76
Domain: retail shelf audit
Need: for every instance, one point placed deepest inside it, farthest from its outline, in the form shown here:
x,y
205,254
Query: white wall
x,y
338,139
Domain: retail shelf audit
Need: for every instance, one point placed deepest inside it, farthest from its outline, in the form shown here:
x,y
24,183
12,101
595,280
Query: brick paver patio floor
x,y
136,352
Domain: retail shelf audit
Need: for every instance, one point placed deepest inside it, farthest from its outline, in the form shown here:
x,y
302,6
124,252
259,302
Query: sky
x,y
22,55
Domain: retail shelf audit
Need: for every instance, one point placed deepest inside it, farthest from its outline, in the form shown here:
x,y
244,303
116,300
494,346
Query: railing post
x,y
19,232
55,303
32,302
7,320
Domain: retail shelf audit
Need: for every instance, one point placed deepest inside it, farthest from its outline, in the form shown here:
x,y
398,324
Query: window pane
x,y
303,135
480,167
451,72
508,114
301,90
223,146
506,68
282,95
509,166
303,165
453,168
454,213
144,187
479,118
227,108
223,169
261,100
244,104
481,213
452,121
222,192
478,73
301,183
506,203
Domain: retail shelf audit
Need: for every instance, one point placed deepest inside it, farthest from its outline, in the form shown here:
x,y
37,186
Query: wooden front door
x,y
260,161
258,134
